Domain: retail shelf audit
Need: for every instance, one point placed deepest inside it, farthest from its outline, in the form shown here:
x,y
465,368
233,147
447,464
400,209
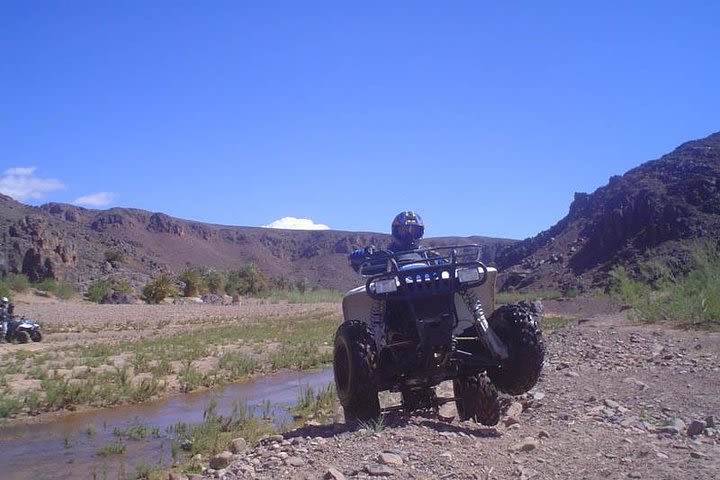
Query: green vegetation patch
x,y
684,293
556,322
134,371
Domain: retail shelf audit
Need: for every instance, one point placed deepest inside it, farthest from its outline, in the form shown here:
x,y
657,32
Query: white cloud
x,y
22,184
99,199
292,223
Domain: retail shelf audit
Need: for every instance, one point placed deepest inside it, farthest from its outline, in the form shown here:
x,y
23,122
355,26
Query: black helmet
x,y
407,228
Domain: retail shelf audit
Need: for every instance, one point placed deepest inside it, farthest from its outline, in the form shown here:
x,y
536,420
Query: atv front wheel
x,y
35,335
477,398
21,336
352,364
518,328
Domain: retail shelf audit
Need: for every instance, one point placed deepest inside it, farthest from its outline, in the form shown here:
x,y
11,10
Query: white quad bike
x,y
419,320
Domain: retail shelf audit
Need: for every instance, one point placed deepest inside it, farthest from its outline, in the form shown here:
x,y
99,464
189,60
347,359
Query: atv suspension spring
x,y
475,307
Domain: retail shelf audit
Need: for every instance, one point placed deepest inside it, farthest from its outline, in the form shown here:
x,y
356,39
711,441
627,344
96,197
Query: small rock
x,y
528,473
674,428
710,421
446,455
510,420
238,445
634,475
698,455
377,470
515,410
176,476
696,427
572,374
611,403
295,461
526,445
543,434
538,396
221,460
333,473
387,458
275,438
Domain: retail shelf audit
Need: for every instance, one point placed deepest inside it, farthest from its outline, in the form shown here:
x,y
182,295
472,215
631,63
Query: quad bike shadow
x,y
390,421
420,319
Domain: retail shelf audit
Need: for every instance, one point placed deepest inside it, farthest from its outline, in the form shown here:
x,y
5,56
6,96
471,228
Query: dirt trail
x,y
615,400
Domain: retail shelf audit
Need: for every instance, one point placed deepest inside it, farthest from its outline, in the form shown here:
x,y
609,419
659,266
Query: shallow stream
x,y
67,448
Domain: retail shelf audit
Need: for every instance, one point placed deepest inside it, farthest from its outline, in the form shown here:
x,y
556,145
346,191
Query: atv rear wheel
x,y
35,335
21,336
353,358
477,398
518,328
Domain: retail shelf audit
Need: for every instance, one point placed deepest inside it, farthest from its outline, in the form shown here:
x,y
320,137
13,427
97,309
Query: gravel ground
x,y
614,401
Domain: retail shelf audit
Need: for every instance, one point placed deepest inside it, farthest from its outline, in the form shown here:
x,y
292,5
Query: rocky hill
x,y
655,206
70,243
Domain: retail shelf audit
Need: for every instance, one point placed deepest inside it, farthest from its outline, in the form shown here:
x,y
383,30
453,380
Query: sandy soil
x,y
74,322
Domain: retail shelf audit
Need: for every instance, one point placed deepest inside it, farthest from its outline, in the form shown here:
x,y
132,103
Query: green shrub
x,y
47,285
5,289
9,405
159,289
65,290
251,281
664,290
98,290
194,282
215,281
19,282
114,256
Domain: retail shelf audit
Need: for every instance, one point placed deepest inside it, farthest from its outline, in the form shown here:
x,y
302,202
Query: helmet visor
x,y
408,233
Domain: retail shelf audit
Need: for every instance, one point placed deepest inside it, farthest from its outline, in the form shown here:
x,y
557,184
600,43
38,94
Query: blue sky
x,y
483,118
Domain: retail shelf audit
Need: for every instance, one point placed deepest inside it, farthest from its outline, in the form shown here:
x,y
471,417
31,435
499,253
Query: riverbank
x,y
96,356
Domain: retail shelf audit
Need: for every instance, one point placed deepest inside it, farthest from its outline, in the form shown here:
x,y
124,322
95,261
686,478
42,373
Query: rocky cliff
x,y
672,199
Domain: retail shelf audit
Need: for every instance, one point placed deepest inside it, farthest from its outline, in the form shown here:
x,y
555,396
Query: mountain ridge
x,y
69,242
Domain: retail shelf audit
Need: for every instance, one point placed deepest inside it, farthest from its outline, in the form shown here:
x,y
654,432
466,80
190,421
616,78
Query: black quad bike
x,y
418,321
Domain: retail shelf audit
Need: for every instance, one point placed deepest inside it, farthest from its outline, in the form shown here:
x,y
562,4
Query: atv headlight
x,y
387,285
465,275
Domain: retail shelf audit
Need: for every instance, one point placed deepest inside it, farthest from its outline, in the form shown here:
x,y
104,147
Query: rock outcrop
x,y
675,198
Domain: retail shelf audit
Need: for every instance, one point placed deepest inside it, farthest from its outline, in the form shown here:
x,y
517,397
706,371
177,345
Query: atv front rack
x,y
423,272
